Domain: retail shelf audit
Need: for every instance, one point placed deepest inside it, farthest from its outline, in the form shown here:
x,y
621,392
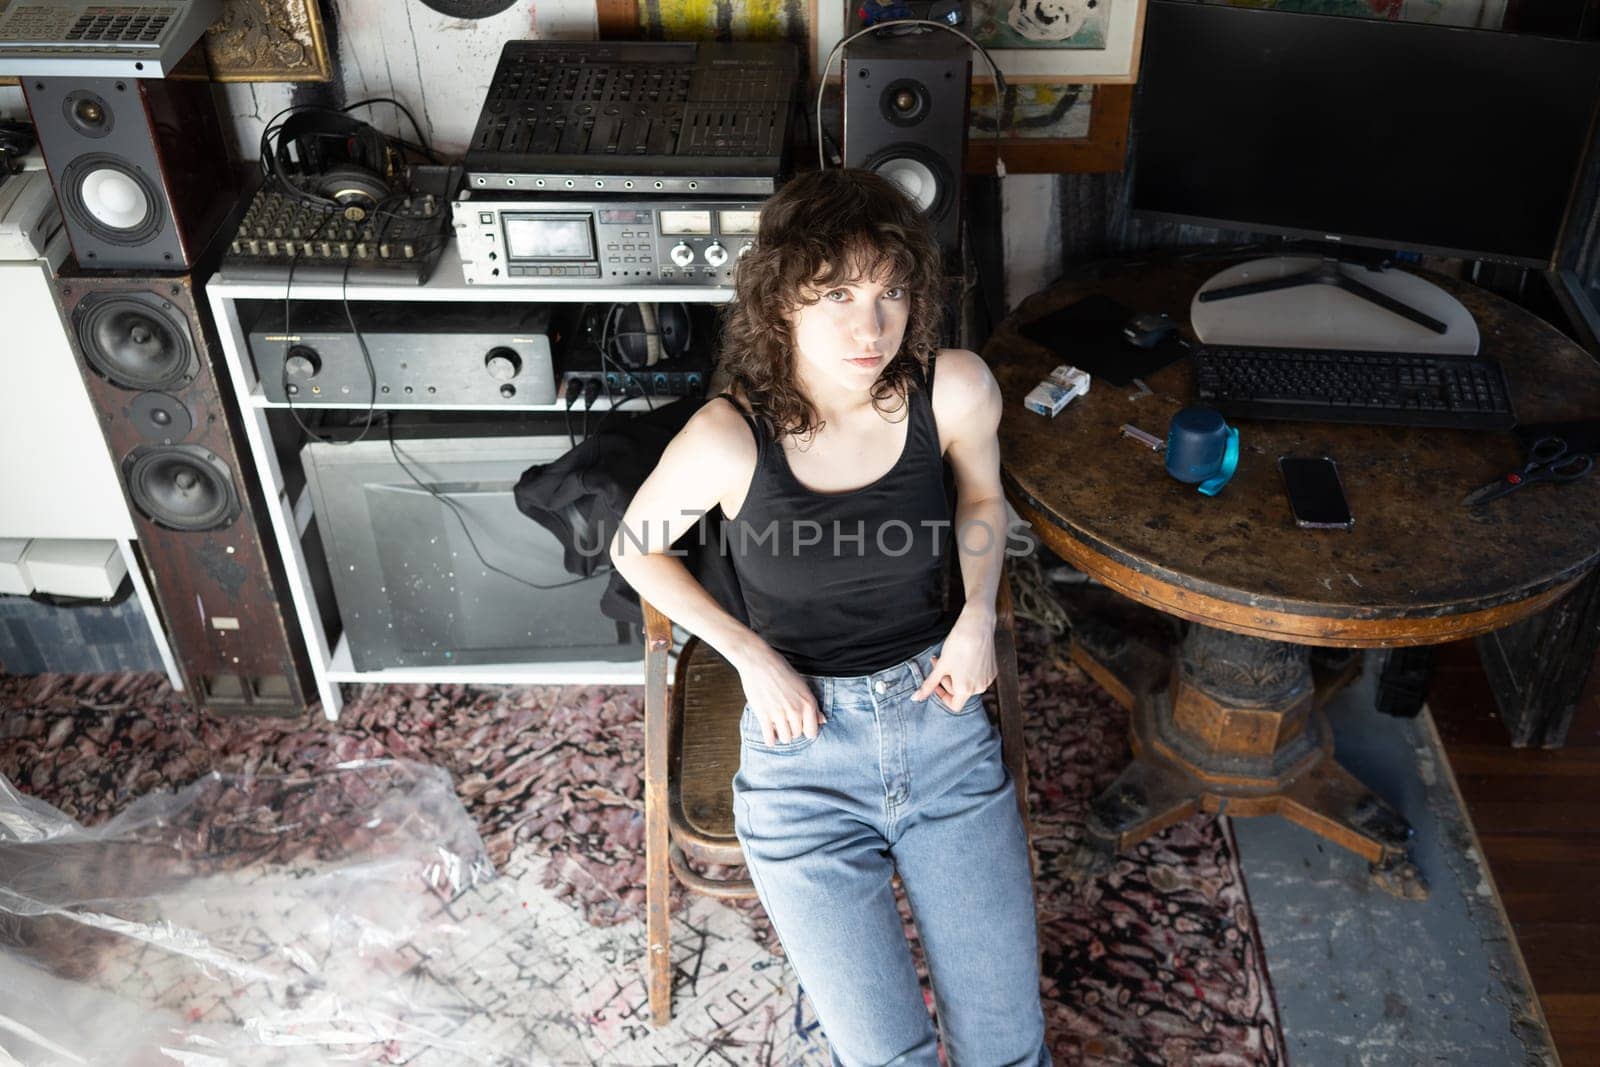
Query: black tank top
x,y
848,583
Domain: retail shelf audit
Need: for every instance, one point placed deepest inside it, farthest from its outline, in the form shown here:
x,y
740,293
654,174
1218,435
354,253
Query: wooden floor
x,y
1537,813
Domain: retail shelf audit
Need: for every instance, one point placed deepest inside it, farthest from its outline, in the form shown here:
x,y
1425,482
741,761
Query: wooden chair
x,y
691,743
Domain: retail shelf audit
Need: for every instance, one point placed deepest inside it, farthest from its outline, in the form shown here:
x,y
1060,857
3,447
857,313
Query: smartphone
x,y
1315,494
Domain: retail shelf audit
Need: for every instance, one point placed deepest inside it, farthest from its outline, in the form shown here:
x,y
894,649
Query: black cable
x,y
591,390
574,390
455,509
425,148
388,425
382,216
16,140
288,395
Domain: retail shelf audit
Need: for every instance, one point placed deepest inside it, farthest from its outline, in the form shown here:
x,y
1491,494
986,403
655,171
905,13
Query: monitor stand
x,y
1319,302
1329,272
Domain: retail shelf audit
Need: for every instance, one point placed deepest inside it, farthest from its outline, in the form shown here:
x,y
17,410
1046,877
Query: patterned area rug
x,y
1156,962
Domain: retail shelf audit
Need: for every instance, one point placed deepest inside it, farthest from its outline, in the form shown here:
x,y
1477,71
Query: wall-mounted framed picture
x,y
1056,41
261,41
1050,129
268,41
1044,42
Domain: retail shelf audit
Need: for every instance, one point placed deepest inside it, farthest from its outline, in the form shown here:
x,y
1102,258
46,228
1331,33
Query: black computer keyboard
x,y
1323,385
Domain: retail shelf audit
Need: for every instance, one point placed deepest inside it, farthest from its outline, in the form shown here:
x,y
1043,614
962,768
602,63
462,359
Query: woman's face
x,y
846,339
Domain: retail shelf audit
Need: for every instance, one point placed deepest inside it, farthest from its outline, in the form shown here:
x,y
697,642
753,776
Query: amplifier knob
x,y
744,249
503,364
302,363
716,255
682,254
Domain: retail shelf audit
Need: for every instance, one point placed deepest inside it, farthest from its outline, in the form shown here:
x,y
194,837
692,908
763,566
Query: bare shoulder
x,y
966,397
717,434
707,463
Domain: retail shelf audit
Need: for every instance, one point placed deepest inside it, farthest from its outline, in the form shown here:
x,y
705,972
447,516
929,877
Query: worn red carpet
x,y
1156,962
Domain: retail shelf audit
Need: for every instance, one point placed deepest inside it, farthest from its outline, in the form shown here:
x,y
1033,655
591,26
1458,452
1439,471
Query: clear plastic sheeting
x,y
240,919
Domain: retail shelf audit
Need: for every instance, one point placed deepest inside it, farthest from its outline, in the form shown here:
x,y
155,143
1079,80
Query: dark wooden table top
x,y
1416,568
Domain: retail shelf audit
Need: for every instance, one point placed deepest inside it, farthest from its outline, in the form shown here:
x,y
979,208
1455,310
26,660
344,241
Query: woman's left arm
x,y
967,406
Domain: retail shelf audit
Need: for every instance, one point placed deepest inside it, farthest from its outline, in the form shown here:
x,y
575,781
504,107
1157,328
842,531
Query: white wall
x,y
1031,232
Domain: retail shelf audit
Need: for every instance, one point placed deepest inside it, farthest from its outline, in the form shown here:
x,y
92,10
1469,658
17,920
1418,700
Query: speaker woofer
x,y
135,340
112,200
921,175
181,487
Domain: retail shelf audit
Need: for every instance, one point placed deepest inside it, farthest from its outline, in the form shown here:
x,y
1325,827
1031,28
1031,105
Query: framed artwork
x,y
263,41
268,41
1050,128
1044,42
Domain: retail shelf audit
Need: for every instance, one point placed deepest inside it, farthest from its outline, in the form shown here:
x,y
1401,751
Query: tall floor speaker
x,y
149,353
905,116
136,166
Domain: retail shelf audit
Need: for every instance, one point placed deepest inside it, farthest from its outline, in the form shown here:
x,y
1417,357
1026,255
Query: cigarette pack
x,y
1056,391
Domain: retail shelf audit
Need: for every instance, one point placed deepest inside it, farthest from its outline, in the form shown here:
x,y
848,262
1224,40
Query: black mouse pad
x,y
1088,335
1580,436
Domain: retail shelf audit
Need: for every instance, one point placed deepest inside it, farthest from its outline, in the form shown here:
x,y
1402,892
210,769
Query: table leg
x,y
1238,729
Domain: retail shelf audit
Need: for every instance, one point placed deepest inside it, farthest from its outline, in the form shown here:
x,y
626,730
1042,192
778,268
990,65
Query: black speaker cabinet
x,y
139,166
150,357
905,116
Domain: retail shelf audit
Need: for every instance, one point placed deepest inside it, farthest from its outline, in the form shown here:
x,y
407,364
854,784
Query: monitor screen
x,y
1382,134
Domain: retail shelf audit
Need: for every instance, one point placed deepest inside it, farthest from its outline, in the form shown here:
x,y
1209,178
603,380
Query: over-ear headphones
x,y
339,158
347,185
642,334
324,138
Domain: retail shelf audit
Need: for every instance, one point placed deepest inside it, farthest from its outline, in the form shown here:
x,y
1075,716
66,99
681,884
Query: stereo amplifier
x,y
527,241
477,354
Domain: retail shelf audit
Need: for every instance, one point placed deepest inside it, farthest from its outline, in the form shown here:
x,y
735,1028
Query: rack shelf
x,y
291,520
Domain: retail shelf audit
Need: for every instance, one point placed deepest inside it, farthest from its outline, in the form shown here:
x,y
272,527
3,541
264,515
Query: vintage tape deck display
x,y
528,241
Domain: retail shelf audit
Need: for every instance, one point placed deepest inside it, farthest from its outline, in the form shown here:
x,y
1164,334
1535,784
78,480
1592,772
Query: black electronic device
x,y
905,117
344,226
1326,385
625,241
631,349
101,38
1363,132
668,117
1090,334
139,166
1146,329
1316,496
490,355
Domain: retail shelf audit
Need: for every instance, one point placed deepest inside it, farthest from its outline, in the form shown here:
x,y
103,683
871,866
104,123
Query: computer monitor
x,y
1389,135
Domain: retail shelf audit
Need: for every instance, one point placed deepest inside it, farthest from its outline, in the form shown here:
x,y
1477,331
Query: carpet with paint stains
x,y
1157,961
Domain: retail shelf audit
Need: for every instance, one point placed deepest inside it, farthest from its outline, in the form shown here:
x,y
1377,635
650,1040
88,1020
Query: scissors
x,y
1548,461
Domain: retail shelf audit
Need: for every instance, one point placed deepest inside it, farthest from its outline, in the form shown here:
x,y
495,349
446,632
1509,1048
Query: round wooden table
x,y
1236,726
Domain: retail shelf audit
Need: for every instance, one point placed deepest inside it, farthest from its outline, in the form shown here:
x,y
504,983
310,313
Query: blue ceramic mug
x,y
1202,448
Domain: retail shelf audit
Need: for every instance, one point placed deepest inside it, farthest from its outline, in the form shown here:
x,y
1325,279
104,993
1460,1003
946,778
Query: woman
x,y
865,748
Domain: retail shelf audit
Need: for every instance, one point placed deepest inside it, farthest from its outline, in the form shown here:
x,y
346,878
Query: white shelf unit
x,y
330,654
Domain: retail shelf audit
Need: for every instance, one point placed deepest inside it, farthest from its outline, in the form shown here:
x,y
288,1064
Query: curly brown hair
x,y
823,229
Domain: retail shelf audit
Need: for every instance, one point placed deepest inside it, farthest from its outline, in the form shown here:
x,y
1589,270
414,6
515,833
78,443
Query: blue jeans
x,y
892,784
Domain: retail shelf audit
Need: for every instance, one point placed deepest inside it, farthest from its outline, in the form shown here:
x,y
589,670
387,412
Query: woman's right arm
x,y
694,474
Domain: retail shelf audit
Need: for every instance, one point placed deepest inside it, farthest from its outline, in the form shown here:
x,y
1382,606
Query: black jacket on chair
x,y
582,496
